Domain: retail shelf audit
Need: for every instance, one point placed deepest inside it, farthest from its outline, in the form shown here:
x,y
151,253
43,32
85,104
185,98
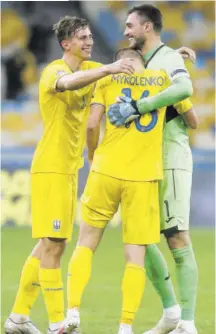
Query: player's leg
x,y
187,279
27,293
29,283
99,203
138,231
181,247
44,273
50,277
133,284
79,273
157,272
176,193
52,214
156,266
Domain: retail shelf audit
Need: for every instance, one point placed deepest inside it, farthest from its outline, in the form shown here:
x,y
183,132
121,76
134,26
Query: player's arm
x,y
180,88
81,79
191,119
93,129
97,109
186,110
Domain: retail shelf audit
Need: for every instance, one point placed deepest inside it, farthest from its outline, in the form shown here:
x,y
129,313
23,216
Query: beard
x,y
137,43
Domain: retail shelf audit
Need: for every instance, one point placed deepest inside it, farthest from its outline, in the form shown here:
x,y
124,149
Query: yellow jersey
x,y
64,115
133,151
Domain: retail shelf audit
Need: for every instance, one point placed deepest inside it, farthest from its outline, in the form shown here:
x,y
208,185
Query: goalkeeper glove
x,y
124,112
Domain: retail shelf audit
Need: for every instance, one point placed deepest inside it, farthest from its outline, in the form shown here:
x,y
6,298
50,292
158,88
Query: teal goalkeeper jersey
x,y
176,148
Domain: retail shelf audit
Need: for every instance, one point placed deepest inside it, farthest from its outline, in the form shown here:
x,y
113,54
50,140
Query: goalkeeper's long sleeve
x,y
179,90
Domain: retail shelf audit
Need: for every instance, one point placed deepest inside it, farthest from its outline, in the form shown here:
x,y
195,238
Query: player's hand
x,y
122,66
186,52
123,112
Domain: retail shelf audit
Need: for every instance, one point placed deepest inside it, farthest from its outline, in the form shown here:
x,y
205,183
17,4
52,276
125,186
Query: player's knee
x,y
89,236
53,247
135,254
178,239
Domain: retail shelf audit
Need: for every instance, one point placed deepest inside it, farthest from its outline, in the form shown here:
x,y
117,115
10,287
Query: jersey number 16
x,y
139,126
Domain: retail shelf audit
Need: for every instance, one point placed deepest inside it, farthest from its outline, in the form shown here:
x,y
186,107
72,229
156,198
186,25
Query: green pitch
x,y
102,301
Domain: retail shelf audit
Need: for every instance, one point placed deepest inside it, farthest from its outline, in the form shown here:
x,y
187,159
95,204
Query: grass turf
x,y
101,306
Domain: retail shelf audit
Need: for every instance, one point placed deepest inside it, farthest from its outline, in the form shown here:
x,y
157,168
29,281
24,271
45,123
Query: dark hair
x,y
129,52
151,13
68,25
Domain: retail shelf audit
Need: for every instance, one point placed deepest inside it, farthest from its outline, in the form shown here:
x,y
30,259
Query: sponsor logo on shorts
x,y
56,225
168,220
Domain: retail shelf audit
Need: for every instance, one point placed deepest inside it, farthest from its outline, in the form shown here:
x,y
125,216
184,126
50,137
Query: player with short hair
x,y
143,27
124,171
65,91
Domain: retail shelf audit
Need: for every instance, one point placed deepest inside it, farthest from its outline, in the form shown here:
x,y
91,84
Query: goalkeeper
x,y
143,27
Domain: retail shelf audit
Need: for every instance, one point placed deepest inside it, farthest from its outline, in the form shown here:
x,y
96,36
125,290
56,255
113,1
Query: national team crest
x,y
56,225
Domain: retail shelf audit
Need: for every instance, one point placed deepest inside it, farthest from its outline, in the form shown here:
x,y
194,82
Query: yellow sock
x,y
132,290
52,287
29,287
79,272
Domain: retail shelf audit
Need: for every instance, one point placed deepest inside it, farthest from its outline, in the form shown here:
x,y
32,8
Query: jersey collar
x,y
149,54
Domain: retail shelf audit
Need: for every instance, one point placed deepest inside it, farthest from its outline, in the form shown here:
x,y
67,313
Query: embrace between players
x,y
146,115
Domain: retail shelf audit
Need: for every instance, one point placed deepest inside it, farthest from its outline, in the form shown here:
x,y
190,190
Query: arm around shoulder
x,y
81,79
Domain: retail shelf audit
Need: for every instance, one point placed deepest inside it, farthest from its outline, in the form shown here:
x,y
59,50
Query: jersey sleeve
x,y
98,94
183,106
174,66
51,75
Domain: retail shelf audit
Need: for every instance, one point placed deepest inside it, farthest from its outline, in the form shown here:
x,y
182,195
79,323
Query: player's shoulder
x,y
167,50
55,66
89,64
170,59
105,82
157,77
168,53
56,63
153,72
